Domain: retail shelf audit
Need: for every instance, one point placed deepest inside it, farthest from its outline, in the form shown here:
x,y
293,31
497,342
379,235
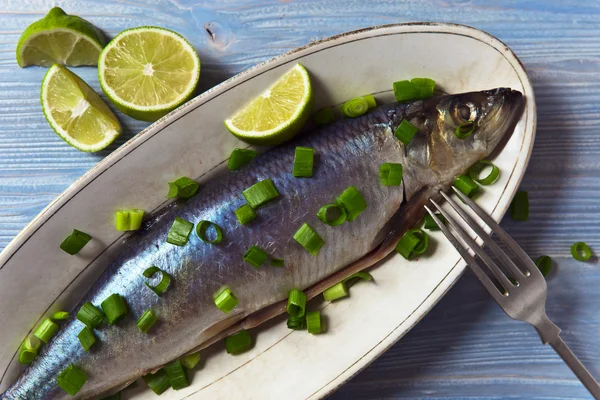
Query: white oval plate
x,y
36,278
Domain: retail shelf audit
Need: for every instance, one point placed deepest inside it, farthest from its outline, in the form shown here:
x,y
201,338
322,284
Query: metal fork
x,y
524,295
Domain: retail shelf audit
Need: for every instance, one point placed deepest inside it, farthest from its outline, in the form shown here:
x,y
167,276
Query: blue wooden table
x,y
466,347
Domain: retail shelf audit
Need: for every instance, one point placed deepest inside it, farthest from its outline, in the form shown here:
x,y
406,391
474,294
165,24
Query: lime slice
x,y
278,114
60,38
148,71
75,112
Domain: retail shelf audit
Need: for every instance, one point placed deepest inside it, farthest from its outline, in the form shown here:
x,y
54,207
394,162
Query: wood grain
x,y
466,347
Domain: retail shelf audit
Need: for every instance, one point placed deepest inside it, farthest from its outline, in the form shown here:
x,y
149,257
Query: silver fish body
x,y
348,152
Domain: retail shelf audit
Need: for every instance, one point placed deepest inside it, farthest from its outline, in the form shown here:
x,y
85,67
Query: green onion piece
x,y
129,220
296,323
240,158
309,239
29,350
71,379
146,321
180,232
157,382
405,132
355,107
75,242
580,251
466,185
114,308
164,283
135,219
332,214
492,176
238,343
183,187
430,224
313,321
544,263
296,303
86,338
116,396
519,208
245,214
46,330
303,162
405,91
465,129
425,87
60,316
324,116
390,174
371,102
225,300
203,226
261,193
423,244
335,292
407,244
191,360
352,279
90,315
353,202
176,375
277,262
255,256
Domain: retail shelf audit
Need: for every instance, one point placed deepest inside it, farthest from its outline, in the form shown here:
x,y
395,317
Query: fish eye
x,y
465,112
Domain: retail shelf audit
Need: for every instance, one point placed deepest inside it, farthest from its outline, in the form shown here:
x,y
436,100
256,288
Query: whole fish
x,y
348,153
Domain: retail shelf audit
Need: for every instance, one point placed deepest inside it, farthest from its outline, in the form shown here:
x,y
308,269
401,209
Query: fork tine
x,y
502,235
486,238
475,247
464,253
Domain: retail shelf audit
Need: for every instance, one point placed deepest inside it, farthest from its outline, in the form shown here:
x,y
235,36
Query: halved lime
x,y
278,114
148,71
60,38
75,112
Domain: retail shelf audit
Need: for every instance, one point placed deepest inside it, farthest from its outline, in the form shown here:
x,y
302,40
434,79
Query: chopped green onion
x,y
238,343
309,239
114,308
261,193
277,262
405,91
296,323
240,158
355,107
580,251
338,217
86,338
164,283
129,220
245,214
225,300
191,360
157,382
180,232
255,256
335,292
296,303
75,242
519,208
90,315
203,226
465,129
313,321
370,100
135,219
71,379
303,162
324,116
405,132
353,202
46,330
146,321
466,185
352,279
544,263
29,350
176,375
407,244
390,174
430,224
425,87
423,244
183,187
476,170
60,316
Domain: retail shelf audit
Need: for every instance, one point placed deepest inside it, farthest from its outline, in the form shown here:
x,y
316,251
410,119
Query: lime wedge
x,y
60,38
278,114
75,112
148,71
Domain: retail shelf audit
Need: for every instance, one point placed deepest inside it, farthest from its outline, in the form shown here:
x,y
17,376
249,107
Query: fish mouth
x,y
506,111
